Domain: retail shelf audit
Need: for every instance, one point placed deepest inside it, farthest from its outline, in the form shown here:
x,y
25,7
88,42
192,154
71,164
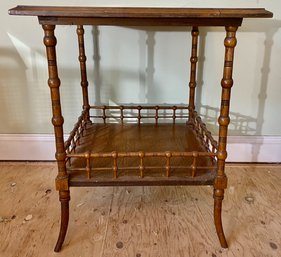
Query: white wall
x,y
145,64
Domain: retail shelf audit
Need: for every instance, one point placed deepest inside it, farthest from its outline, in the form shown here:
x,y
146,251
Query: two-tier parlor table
x,y
130,144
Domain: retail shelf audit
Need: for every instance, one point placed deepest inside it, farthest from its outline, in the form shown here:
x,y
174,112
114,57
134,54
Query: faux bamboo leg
x,y
64,199
82,59
57,120
218,196
221,180
192,83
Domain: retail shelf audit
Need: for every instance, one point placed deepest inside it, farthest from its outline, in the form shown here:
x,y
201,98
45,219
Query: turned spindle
x,y
220,182
57,120
83,70
193,67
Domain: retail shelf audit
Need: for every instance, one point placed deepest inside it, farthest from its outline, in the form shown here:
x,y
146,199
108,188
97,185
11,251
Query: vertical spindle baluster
x,y
122,113
139,114
141,155
202,133
73,145
88,164
194,164
168,163
104,114
174,114
77,138
69,159
156,114
115,167
207,143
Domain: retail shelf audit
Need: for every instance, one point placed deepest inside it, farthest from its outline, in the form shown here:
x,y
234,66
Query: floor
x,y
139,221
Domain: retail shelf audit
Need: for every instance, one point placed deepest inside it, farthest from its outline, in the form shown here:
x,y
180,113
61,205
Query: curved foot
x,y
64,199
218,197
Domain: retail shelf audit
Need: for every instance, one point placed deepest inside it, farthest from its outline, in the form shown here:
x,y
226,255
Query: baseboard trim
x,y
41,147
27,147
254,149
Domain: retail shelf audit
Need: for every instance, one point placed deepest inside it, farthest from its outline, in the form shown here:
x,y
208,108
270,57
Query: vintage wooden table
x,y
131,145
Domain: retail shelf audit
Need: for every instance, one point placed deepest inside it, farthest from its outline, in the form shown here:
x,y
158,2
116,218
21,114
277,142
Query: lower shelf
x,y
78,180
140,154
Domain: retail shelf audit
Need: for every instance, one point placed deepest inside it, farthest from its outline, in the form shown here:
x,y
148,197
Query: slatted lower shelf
x,y
140,154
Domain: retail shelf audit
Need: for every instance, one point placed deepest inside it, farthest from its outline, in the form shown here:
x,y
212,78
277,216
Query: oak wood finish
x,y
141,21
192,83
139,12
220,183
140,16
84,82
136,162
130,154
57,120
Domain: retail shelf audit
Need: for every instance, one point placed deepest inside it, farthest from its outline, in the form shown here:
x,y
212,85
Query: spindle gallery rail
x,y
126,145
139,113
168,155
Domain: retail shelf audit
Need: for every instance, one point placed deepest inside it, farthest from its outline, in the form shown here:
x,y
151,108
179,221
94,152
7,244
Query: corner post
x,y
220,182
193,67
57,120
82,59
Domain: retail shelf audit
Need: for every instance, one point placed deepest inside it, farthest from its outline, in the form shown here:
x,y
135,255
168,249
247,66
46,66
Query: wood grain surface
x,y
139,12
174,221
146,138
137,16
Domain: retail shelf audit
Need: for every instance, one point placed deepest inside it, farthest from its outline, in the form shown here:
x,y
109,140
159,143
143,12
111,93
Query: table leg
x,y
82,59
220,183
192,83
64,199
57,120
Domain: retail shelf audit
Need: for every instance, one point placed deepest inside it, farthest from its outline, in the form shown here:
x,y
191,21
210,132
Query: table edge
x,y
139,12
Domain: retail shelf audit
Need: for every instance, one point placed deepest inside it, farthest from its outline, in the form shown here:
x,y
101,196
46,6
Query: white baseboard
x,y
38,147
254,149
27,147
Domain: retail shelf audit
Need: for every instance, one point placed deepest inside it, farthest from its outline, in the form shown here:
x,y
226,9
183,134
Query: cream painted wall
x,y
147,65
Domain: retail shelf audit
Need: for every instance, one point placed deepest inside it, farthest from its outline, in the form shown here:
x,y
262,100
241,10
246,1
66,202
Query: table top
x,y
140,12
140,16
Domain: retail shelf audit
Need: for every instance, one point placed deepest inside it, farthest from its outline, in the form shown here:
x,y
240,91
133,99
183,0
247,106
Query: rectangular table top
x,y
140,12
140,16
